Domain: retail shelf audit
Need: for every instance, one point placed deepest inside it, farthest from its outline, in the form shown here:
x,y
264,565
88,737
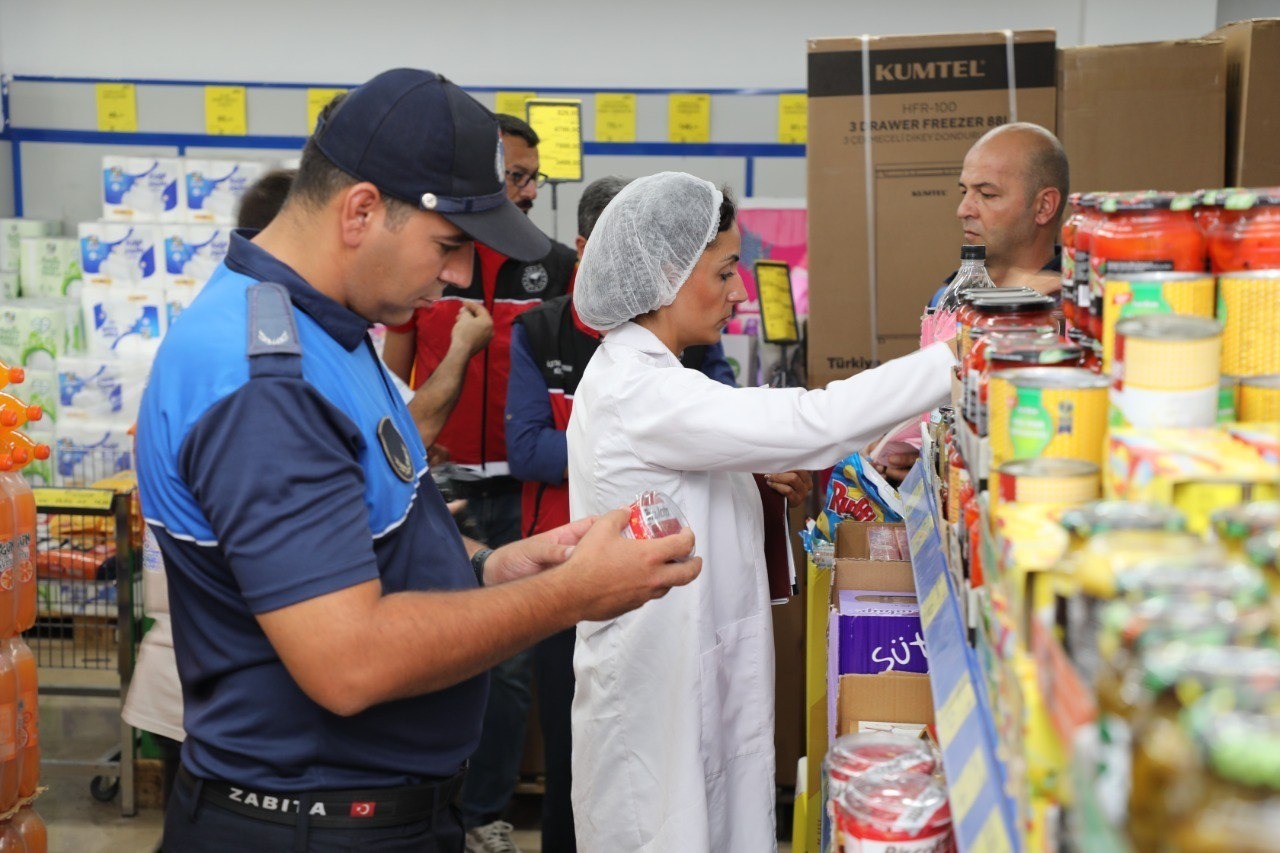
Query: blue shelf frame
x,y
981,810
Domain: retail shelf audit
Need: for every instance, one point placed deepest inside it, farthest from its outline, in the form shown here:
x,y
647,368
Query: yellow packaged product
x,y
1259,398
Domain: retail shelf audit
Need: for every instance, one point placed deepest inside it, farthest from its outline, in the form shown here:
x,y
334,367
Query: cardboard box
x,y
1143,116
883,232
1252,52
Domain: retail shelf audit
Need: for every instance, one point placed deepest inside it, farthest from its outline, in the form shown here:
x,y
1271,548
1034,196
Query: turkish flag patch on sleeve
x,y
363,809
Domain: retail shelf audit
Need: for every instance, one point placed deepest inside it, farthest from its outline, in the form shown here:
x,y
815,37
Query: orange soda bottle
x,y
11,375
11,839
15,413
24,663
19,493
8,547
32,829
9,775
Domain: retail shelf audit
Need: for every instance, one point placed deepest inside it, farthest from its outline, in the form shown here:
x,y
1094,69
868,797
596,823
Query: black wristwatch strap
x,y
477,563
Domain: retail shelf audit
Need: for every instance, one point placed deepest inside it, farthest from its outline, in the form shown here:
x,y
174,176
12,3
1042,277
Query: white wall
x,y
665,43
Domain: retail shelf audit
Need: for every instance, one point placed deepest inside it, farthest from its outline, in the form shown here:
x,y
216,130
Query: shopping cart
x,y
87,569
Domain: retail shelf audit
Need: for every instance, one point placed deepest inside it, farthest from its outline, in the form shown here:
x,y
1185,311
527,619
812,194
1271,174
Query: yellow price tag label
x,y
993,837
922,533
955,710
615,117
777,307
558,124
689,118
225,113
117,106
317,100
793,119
967,786
47,497
933,601
512,103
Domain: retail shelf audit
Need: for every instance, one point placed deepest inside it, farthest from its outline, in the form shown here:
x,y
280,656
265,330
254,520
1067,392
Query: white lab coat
x,y
673,708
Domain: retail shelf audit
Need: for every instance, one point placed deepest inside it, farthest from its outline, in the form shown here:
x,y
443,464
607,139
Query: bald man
x,y
1013,185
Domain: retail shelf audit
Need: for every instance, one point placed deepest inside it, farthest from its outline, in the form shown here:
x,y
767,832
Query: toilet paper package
x,y
34,332
9,288
142,189
101,387
50,266
214,188
89,449
125,321
193,252
118,253
13,230
178,296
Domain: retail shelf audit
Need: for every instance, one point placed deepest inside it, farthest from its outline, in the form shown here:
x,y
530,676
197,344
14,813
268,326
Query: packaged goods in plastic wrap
x,y
124,321
142,189
118,253
214,188
10,284
1263,438
90,448
193,252
1197,471
50,267
108,388
40,388
34,332
857,491
13,230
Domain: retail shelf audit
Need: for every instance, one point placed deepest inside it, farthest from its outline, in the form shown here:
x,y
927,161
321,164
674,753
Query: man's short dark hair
x,y
318,179
264,198
512,126
595,198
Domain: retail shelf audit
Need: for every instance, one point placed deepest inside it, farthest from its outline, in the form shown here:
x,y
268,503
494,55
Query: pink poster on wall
x,y
773,230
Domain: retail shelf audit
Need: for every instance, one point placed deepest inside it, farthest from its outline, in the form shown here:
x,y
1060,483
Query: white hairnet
x,y
644,246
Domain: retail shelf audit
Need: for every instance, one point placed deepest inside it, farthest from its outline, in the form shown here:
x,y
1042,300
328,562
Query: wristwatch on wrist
x,y
477,563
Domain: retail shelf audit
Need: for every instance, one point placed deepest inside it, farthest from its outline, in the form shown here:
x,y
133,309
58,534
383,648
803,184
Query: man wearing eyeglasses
x,y
475,438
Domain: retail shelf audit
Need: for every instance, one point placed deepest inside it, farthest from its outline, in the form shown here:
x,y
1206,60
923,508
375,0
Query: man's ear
x,y
1048,202
359,206
579,243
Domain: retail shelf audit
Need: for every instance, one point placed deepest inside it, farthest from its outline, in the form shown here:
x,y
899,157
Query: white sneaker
x,y
492,838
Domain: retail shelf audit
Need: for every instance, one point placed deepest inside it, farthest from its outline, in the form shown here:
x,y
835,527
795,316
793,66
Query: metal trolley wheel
x,y
104,789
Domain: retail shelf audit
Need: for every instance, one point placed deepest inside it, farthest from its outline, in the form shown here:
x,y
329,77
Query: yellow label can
x,y
1260,398
1249,308
1053,412
1066,482
1165,371
1137,294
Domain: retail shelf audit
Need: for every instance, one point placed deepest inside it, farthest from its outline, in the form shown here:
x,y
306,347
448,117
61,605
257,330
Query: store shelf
x,y
982,811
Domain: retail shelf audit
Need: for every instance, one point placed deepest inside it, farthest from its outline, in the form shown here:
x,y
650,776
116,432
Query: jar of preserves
x,y
1091,216
1010,306
976,361
906,812
1247,237
1067,239
1142,232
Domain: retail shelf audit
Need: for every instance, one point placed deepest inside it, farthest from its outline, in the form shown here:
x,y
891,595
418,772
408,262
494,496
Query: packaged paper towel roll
x,y
9,288
90,449
125,321
142,189
13,230
193,252
42,472
40,388
50,266
214,188
108,387
32,332
118,253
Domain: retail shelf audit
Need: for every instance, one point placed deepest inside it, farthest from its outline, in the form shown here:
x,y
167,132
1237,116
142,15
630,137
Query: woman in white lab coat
x,y
673,709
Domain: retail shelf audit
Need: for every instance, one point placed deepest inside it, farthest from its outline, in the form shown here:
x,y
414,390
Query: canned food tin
x,y
1012,354
1249,308
1260,398
1228,398
1050,481
1055,412
1165,371
1139,294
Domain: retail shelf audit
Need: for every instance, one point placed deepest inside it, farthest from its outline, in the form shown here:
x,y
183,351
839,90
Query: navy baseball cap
x,y
419,138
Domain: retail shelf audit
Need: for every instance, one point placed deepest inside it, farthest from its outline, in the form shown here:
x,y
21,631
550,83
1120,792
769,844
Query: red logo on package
x,y
363,809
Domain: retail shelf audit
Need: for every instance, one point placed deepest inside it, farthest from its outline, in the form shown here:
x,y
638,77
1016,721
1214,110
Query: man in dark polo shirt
x,y
330,634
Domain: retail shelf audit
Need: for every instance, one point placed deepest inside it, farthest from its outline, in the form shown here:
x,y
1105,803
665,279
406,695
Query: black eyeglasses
x,y
521,179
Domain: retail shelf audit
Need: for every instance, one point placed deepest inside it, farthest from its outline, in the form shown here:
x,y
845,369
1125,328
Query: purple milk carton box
x,y
879,632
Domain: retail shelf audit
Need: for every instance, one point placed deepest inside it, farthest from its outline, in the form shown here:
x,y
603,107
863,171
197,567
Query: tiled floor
x,y
84,728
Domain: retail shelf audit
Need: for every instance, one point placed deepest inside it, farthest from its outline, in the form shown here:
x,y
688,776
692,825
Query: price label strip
x,y
48,498
689,118
317,100
225,113
955,710
558,124
117,107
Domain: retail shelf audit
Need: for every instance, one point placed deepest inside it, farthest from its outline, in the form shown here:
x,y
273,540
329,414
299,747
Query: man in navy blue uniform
x,y
329,627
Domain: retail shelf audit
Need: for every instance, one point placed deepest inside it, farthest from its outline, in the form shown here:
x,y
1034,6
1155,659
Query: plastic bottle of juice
x,y
11,839
23,585
15,413
9,776
32,829
24,663
8,546
11,375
